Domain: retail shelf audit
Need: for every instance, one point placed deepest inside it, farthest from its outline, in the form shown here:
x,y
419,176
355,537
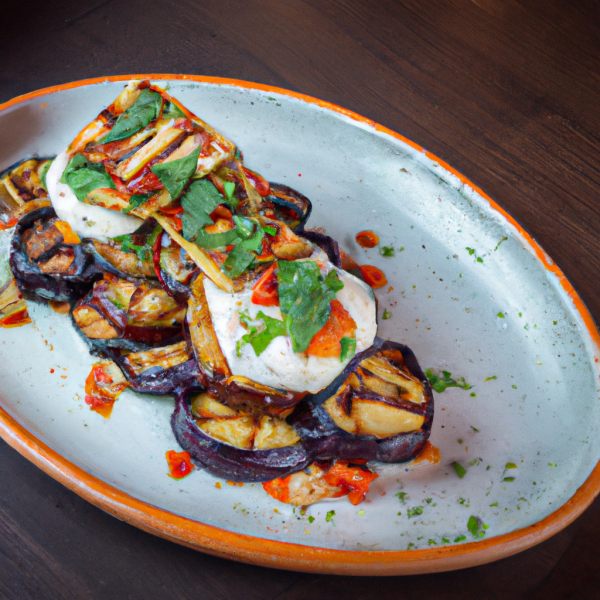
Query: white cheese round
x,y
86,220
279,366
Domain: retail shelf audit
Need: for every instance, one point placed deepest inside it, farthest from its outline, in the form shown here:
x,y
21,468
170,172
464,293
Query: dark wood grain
x,y
506,91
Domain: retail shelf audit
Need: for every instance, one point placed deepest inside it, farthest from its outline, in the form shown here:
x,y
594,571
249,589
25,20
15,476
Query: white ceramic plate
x,y
502,311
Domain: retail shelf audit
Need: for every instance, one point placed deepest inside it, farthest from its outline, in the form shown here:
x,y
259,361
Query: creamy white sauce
x,y
279,366
86,220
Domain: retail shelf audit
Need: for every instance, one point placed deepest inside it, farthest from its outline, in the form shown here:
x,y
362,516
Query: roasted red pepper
x,y
354,480
180,464
373,276
266,290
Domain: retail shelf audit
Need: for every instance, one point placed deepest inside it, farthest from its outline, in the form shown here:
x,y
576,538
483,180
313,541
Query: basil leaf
x,y
175,174
440,384
304,299
43,172
217,240
348,348
201,198
259,340
333,281
242,256
144,252
245,226
135,201
84,176
143,111
172,111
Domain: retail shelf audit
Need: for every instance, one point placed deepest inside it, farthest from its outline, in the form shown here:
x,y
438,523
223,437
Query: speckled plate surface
x,y
469,291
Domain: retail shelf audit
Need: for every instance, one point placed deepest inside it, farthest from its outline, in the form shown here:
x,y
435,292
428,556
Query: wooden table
x,y
506,91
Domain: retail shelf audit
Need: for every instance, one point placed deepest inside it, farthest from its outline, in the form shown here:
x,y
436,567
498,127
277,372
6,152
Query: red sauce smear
x,y
101,391
180,464
367,239
373,276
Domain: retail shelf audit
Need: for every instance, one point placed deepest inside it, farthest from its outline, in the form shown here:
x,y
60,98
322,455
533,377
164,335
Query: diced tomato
x,y
147,182
184,124
180,464
367,239
261,185
278,488
354,480
11,223
172,210
266,290
16,319
326,342
373,276
348,262
69,236
221,212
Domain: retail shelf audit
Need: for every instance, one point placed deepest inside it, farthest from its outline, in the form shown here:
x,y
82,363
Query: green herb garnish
x,y
175,174
386,251
510,465
333,281
475,526
460,470
143,252
259,340
199,201
386,314
143,111
439,384
242,256
348,348
135,201
415,511
84,176
172,111
508,479
304,300
311,519
402,496
329,516
490,378
460,538
229,187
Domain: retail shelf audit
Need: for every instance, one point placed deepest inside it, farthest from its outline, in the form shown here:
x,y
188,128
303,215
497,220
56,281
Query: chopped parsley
x,y
386,251
311,519
476,527
439,384
508,479
259,340
460,470
402,496
329,516
386,314
460,538
510,465
490,378
415,511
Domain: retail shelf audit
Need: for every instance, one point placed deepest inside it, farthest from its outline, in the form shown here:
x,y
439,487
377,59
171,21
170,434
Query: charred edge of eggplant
x,y
10,169
46,286
301,205
326,243
177,290
326,441
104,265
156,380
228,462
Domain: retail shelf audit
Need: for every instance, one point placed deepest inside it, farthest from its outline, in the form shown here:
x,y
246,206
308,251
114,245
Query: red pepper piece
x,y
373,276
367,239
354,480
266,290
180,464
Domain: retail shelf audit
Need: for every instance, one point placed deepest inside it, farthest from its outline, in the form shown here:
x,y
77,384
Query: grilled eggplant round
x,y
236,446
380,408
43,265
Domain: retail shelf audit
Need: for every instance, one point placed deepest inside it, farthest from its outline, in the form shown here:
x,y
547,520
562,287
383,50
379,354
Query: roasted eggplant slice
x,y
125,314
379,408
43,264
326,243
289,206
232,445
158,370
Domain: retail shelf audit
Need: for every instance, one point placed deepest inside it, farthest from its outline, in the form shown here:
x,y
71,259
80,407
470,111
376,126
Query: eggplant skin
x,y
288,198
31,280
322,438
228,462
326,243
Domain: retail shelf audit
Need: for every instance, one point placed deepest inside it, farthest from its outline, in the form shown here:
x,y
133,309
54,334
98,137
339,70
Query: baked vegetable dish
x,y
190,275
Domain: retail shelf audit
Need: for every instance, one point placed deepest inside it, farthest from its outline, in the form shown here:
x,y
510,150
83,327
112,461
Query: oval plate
x,y
470,292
